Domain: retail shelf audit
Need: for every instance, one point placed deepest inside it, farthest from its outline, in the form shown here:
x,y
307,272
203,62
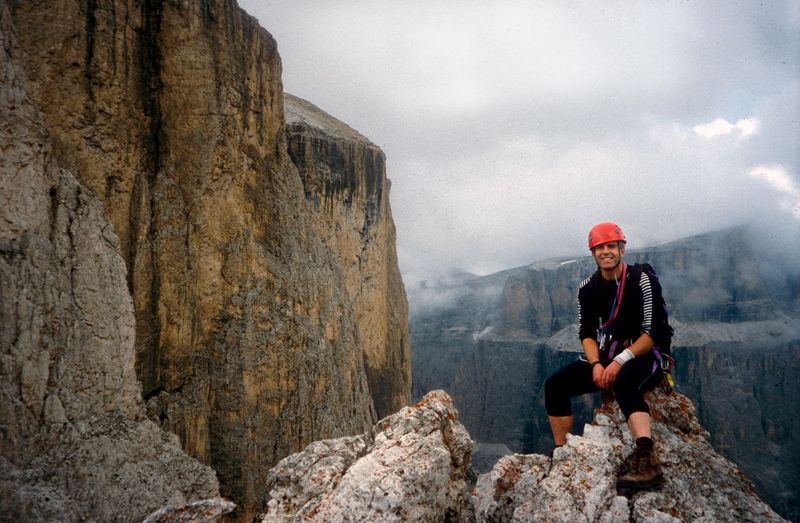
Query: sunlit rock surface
x,y
345,185
411,466
579,484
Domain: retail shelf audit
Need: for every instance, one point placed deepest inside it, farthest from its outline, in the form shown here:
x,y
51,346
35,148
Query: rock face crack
x,y
150,60
91,7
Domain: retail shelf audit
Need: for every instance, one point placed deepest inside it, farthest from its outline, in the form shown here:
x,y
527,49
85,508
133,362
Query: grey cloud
x,y
553,116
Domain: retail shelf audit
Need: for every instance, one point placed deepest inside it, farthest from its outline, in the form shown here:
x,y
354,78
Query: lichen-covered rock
x,y
411,467
579,482
74,442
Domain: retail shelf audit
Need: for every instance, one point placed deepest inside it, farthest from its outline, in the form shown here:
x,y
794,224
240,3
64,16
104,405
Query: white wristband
x,y
624,357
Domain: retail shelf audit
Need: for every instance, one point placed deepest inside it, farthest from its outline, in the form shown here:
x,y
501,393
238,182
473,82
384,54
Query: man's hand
x,y
608,376
597,375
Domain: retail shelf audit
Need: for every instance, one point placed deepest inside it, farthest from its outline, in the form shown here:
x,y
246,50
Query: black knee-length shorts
x,y
635,377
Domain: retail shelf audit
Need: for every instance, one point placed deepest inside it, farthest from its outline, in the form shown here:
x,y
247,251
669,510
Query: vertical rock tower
x,y
268,303
344,181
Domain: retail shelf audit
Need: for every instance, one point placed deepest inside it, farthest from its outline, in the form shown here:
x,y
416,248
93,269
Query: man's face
x,y
608,255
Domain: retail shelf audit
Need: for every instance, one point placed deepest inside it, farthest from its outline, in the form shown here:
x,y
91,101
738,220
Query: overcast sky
x,y
511,127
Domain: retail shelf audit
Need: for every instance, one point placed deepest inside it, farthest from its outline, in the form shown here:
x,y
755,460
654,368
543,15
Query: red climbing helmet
x,y
605,232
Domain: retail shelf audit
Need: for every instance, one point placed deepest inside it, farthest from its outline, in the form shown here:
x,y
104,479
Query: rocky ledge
x,y
580,483
413,465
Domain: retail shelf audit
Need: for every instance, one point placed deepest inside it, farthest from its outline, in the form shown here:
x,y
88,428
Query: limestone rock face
x,y
579,485
410,467
254,333
345,183
74,441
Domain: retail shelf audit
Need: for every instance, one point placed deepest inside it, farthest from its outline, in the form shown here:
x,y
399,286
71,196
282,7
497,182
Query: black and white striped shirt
x,y
596,297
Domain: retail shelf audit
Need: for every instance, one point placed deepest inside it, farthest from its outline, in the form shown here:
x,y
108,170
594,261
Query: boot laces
x,y
637,461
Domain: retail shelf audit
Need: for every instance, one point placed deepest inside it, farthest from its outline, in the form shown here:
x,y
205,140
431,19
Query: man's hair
x,y
620,245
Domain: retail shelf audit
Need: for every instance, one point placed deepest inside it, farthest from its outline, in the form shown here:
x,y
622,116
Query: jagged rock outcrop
x,y
75,444
253,335
579,484
411,466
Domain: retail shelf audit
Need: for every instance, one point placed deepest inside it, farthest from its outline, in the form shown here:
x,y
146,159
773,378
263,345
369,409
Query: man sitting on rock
x,y
615,315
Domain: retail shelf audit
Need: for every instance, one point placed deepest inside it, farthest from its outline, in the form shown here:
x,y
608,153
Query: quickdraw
x,y
666,362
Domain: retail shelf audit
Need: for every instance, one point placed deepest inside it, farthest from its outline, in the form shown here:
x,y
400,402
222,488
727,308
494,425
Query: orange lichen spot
x,y
422,403
511,474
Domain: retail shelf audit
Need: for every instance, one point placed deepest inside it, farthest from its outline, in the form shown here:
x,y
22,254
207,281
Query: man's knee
x,y
550,385
556,402
629,398
622,386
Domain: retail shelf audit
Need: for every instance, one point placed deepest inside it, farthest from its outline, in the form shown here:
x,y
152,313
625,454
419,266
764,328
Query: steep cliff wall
x,y
344,181
75,444
251,337
746,394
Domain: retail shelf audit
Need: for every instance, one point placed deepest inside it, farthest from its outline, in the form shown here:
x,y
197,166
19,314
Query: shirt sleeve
x,y
585,314
647,304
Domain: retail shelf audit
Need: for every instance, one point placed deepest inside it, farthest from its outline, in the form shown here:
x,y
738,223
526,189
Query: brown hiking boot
x,y
640,470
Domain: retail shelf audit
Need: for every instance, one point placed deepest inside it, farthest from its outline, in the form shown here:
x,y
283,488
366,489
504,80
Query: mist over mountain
x,y
511,126
735,305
